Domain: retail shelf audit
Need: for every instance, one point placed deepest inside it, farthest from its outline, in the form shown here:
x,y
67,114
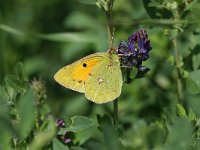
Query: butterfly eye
x,y
84,65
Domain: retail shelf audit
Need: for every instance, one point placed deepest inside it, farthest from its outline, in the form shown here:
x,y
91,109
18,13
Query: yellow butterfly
x,y
97,75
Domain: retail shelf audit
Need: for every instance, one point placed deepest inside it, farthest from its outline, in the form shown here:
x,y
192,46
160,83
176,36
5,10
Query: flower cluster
x,y
135,51
67,136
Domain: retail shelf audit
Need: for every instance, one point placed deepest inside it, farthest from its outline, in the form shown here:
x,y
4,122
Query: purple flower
x,y
66,138
135,51
60,123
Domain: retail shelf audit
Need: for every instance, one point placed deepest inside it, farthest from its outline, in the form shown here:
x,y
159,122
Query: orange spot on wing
x,y
81,73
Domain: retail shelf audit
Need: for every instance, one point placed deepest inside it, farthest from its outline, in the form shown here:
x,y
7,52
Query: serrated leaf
x,y
57,145
26,108
20,72
80,123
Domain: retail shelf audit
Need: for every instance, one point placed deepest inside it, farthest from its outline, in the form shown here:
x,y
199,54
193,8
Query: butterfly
x,y
97,75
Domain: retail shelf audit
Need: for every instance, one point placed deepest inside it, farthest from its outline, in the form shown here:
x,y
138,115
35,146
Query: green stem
x,y
178,70
110,28
164,22
115,115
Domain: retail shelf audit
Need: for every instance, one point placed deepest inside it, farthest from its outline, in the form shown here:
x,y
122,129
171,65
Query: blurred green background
x,y
47,35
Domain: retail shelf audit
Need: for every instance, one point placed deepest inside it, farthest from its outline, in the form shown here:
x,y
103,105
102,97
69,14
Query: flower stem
x,y
178,70
110,28
115,115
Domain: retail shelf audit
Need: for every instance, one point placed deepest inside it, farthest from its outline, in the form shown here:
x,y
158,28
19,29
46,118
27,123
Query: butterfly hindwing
x,y
105,81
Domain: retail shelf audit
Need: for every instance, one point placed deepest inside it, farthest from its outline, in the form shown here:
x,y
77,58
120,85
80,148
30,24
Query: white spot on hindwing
x,y
100,80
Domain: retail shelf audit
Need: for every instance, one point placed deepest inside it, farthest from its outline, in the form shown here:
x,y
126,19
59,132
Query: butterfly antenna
x,y
112,49
112,37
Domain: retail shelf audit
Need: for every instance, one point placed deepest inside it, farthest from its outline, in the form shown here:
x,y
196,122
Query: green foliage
x,y
80,123
159,110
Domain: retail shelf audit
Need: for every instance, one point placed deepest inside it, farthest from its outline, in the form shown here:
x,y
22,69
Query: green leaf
x,y
80,123
191,115
179,135
13,82
67,37
57,145
192,87
196,61
3,96
193,82
181,111
194,102
11,30
85,135
176,140
110,137
43,137
27,112
134,72
173,33
77,148
6,132
21,73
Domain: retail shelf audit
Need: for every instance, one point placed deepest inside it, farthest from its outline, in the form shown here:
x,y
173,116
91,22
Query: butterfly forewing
x,y
74,76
